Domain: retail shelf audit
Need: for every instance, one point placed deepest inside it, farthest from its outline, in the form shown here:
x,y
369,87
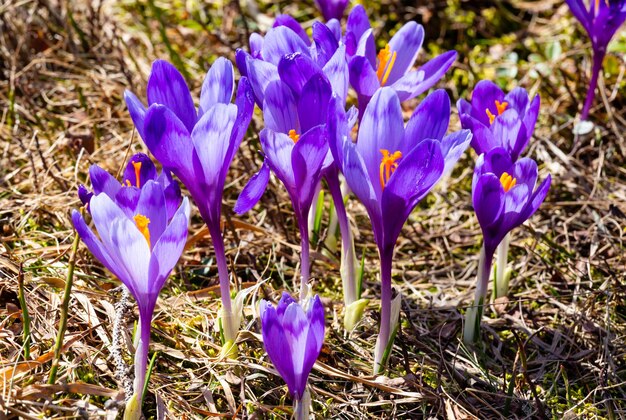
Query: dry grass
x,y
556,348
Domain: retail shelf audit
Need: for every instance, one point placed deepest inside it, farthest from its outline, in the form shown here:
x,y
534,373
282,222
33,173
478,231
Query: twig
x,y
25,315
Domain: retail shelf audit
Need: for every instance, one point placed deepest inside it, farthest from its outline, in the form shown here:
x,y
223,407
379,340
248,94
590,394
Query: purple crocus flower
x,y
601,20
286,38
139,170
497,119
392,66
504,196
140,248
296,147
391,168
332,9
198,146
293,338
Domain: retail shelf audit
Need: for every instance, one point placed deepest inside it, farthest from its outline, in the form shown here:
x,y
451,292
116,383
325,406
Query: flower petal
x,y
294,25
218,85
363,79
260,74
103,182
297,69
281,41
315,336
254,189
166,86
484,98
325,43
336,69
453,146
296,328
307,158
358,22
152,205
137,111
147,170
429,120
279,108
313,102
277,148
406,44
416,82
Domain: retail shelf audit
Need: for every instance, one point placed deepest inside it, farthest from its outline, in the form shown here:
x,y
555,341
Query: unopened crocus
x,y
295,145
393,66
332,9
293,336
140,247
390,169
198,146
601,19
504,196
497,119
139,170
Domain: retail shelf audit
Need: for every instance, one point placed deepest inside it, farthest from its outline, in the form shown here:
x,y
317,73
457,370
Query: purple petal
x,y
517,99
294,25
332,9
525,172
337,129
253,191
382,128
241,58
218,85
169,141
306,160
296,327
430,119
279,108
536,199
335,27
102,181
414,83
260,74
245,107
152,205
406,44
363,79
168,249
325,43
453,146
366,47
296,69
166,86
171,190
484,98
487,200
256,45
337,72
137,111
277,148
84,195
506,128
147,170
358,22
276,344
127,199
313,102
283,303
281,41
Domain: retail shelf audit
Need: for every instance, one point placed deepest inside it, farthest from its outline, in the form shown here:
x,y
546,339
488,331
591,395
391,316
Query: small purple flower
x,y
139,170
293,339
332,9
140,248
197,146
499,120
392,66
286,39
392,167
601,20
504,196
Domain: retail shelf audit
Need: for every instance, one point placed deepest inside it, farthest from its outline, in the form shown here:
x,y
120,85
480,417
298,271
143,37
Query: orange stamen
x,y
507,181
294,136
127,183
388,165
142,223
491,116
137,166
500,107
386,60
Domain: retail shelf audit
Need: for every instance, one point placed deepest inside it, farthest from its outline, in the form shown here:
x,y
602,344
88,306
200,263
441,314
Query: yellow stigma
x,y
127,184
388,165
507,181
386,60
137,166
142,223
294,136
500,107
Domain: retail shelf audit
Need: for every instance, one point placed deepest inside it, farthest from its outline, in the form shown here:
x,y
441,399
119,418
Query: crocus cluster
x,y
302,85
142,231
601,19
503,188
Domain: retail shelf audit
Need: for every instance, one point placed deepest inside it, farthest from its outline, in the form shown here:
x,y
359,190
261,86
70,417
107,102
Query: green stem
x,y
25,314
64,310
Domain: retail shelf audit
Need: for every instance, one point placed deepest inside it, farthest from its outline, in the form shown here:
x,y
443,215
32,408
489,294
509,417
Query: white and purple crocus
x,y
198,146
293,335
390,169
504,195
601,19
138,241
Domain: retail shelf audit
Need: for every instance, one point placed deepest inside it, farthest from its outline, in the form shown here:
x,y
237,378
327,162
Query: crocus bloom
x,y
392,66
497,119
140,248
332,9
293,338
139,170
295,146
198,146
601,20
391,168
504,196
286,38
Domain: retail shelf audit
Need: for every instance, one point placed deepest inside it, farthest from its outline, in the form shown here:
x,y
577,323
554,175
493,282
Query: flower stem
x,y
69,281
502,284
141,353
386,259
229,329
475,312
305,264
348,262
301,406
598,58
